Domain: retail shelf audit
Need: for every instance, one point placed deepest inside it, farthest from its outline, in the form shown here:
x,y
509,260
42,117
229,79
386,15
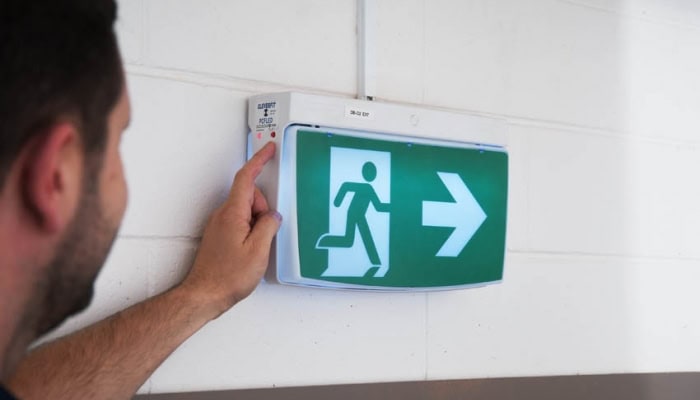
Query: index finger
x,y
244,183
242,195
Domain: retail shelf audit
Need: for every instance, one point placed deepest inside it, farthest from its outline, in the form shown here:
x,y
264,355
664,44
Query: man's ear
x,y
52,177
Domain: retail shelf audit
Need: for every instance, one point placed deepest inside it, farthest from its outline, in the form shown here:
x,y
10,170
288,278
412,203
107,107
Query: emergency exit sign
x,y
374,212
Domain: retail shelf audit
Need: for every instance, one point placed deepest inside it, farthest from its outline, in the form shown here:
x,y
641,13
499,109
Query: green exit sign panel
x,y
378,211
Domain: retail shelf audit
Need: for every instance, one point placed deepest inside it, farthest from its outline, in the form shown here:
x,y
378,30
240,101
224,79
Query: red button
x,y
273,134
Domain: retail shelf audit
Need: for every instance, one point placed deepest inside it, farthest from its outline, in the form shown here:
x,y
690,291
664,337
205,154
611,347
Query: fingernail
x,y
278,216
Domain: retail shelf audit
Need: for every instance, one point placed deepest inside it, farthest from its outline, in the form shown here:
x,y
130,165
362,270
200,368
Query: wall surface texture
x,y
602,99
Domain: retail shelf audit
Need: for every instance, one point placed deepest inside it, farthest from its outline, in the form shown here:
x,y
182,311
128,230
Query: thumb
x,y
266,227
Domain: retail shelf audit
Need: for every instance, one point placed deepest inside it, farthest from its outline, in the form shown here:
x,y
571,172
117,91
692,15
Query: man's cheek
x,y
115,191
122,195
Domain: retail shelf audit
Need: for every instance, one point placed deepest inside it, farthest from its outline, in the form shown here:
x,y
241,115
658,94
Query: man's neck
x,y
16,327
18,287
20,256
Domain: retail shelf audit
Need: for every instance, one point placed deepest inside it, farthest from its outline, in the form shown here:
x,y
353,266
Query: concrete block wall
x,y
603,104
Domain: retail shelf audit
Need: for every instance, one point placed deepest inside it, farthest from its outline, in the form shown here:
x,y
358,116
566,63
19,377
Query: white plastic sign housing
x,y
381,196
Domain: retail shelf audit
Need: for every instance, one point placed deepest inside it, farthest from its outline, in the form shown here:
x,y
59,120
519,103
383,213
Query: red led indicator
x,y
273,134
259,135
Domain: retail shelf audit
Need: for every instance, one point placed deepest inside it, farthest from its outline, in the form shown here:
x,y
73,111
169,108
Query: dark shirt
x,y
5,395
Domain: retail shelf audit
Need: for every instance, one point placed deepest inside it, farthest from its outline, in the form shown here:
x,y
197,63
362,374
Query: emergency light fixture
x,y
381,196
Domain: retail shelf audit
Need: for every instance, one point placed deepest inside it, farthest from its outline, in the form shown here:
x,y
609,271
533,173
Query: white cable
x,y
366,55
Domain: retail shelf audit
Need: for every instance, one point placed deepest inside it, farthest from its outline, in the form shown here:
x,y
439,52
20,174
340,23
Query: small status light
x,y
259,135
273,134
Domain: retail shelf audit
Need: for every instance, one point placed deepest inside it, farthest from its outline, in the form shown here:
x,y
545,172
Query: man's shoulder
x,y
5,395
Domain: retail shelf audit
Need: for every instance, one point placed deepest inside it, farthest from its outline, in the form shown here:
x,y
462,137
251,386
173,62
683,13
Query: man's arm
x,y
112,359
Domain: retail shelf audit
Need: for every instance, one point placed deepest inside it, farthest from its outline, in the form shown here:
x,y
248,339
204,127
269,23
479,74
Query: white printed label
x,y
359,113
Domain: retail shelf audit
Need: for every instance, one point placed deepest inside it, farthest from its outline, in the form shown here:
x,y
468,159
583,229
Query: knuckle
x,y
226,213
243,173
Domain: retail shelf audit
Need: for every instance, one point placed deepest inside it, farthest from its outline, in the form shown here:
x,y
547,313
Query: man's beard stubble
x,y
68,285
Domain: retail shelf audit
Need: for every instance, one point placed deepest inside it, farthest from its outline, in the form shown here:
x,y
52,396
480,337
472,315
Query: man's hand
x,y
111,359
235,248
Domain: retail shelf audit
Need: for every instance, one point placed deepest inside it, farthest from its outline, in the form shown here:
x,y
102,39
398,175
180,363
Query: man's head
x,y
63,106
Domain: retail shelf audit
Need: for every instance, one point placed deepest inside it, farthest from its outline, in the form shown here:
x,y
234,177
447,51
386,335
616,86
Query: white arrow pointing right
x,y
464,214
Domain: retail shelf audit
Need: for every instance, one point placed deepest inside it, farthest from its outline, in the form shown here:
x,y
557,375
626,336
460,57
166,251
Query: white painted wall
x,y
603,263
